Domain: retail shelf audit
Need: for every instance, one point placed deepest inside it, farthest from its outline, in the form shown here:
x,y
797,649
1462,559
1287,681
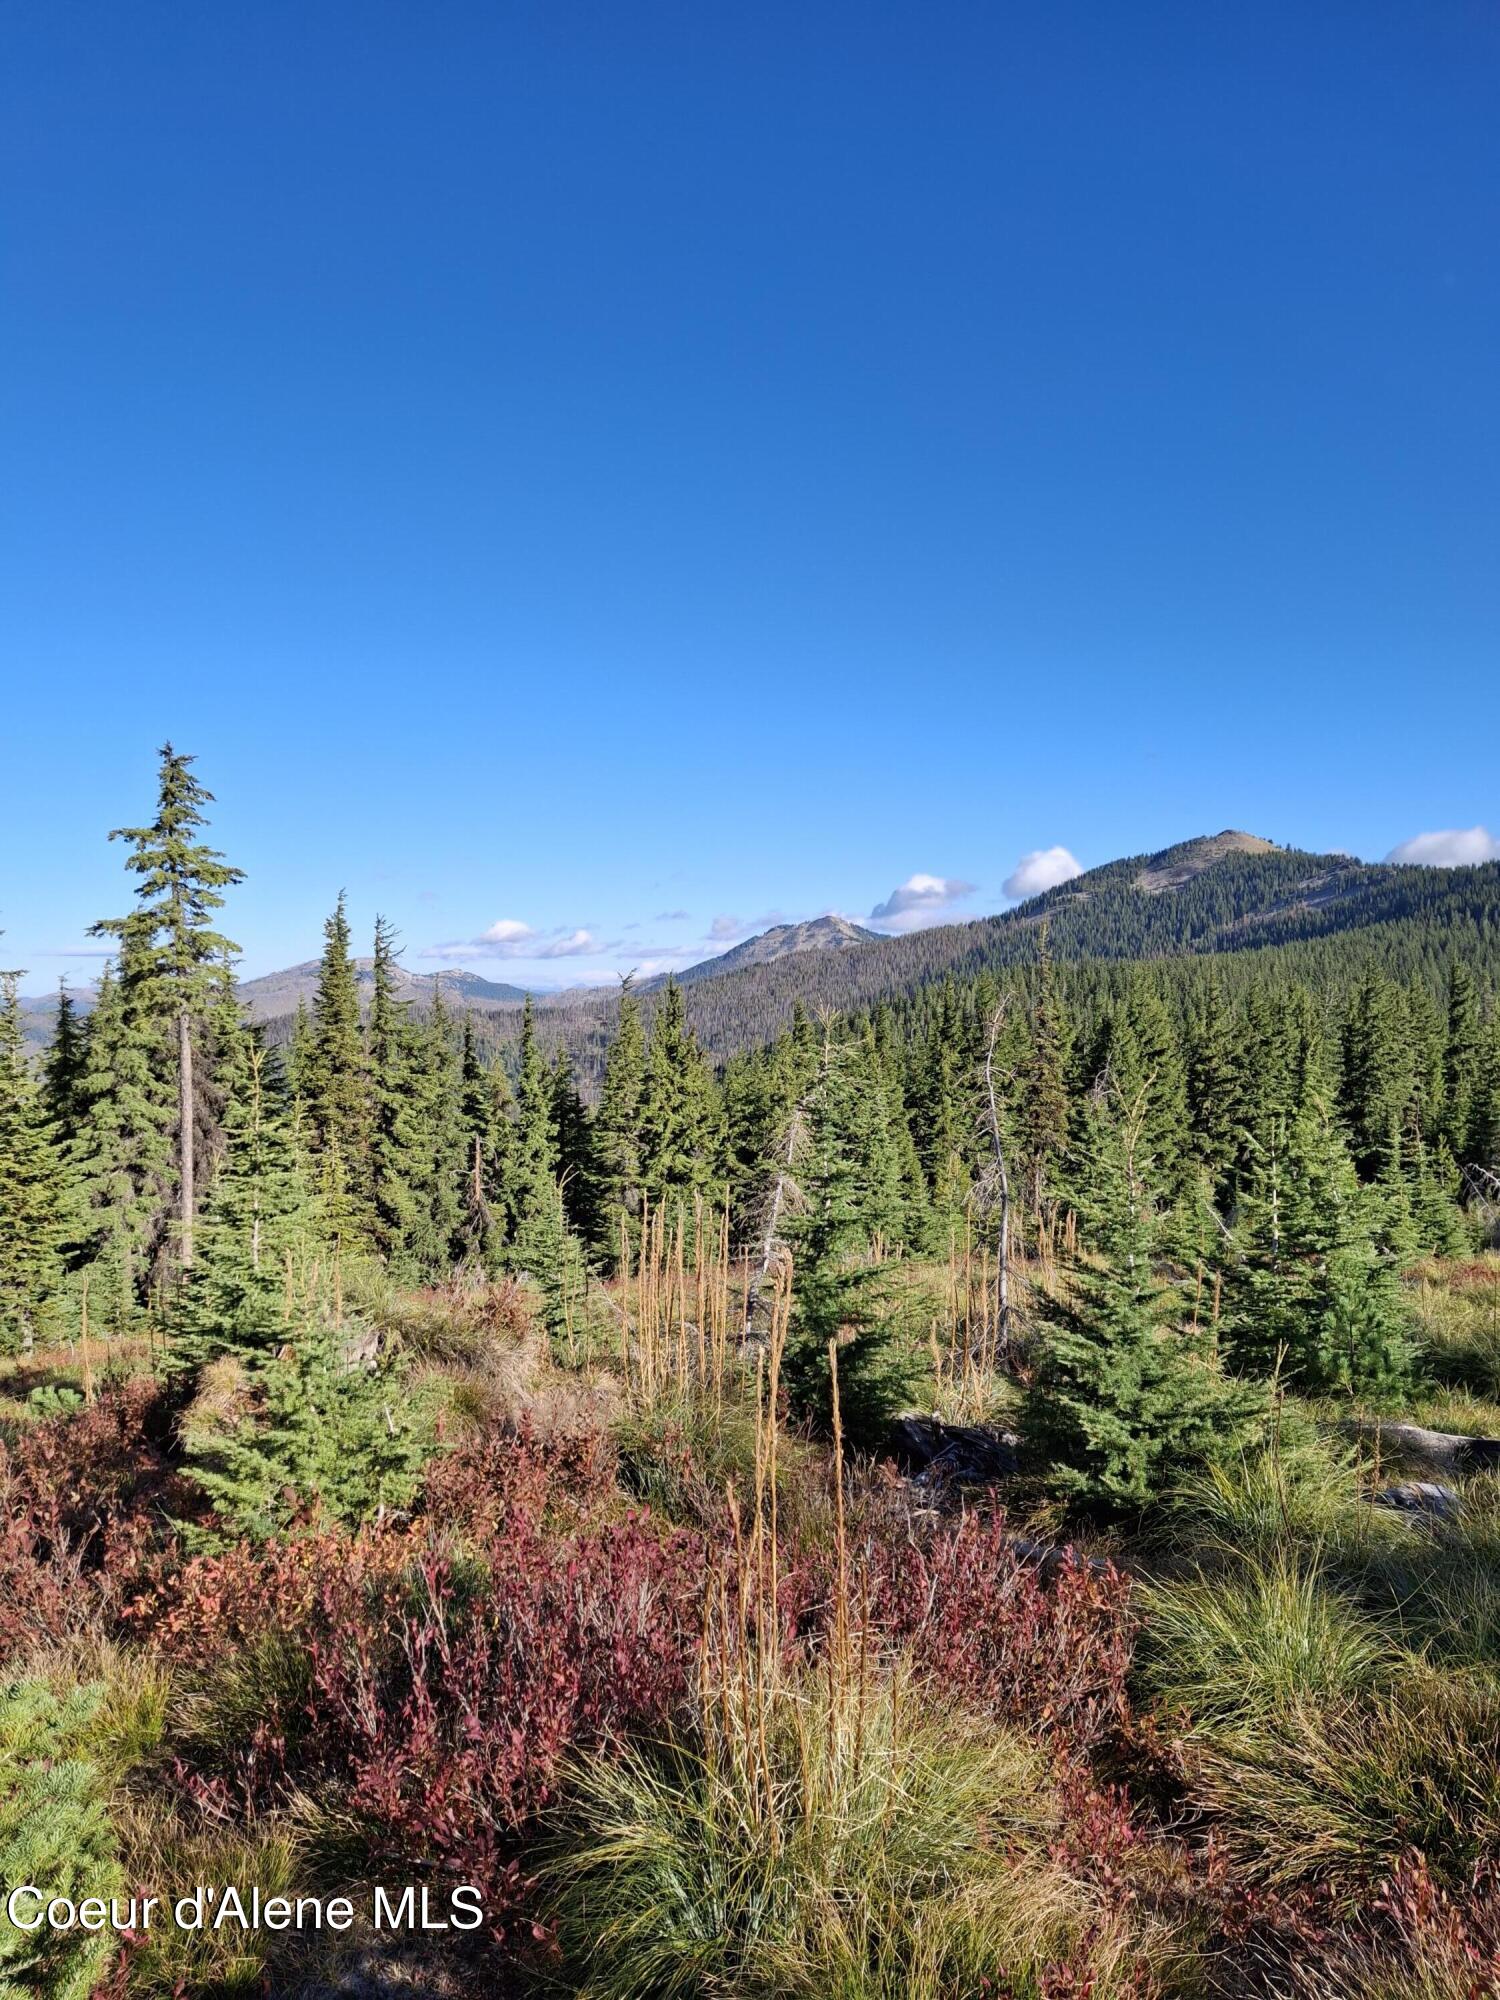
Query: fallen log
x,y
1445,1452
930,1451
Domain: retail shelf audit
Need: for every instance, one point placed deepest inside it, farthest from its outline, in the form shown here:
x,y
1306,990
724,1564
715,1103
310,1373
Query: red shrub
x,y
1460,1938
85,1502
1047,1651
447,1708
491,1478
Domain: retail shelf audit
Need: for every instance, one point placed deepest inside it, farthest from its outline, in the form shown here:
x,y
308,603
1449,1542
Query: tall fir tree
x,y
618,1126
394,1136
64,1065
841,1292
330,1074
264,1244
1377,1074
680,1153
1463,1067
1307,1288
1128,1391
485,1116
178,949
123,1151
36,1194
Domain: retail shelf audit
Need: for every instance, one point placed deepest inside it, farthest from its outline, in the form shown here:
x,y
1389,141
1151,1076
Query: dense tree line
x,y
1283,1144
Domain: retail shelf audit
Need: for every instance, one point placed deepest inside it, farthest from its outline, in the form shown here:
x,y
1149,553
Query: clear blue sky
x,y
561,465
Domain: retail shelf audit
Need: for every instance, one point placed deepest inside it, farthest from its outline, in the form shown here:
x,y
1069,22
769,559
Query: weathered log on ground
x,y
967,1454
1420,1498
1446,1452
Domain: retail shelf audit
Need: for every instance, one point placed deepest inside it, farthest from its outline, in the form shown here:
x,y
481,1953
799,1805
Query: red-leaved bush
x,y
85,1502
448,1709
1048,1651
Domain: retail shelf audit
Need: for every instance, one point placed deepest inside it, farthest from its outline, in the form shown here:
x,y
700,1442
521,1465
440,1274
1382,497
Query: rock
x,y
967,1454
1420,1496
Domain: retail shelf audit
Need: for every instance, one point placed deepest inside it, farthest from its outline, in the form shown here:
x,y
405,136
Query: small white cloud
x,y
1459,847
509,931
671,917
729,930
920,900
510,938
1043,868
573,944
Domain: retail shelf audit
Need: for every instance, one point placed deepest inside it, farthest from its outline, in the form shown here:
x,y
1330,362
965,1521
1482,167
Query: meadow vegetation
x,y
944,1507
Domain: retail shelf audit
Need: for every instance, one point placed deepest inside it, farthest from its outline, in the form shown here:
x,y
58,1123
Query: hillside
x,y
782,941
275,995
1224,892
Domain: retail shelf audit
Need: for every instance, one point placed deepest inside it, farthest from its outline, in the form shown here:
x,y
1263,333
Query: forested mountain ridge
x,y
1220,893
277,993
830,933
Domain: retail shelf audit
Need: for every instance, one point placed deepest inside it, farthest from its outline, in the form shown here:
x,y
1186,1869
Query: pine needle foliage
x,y
1126,1394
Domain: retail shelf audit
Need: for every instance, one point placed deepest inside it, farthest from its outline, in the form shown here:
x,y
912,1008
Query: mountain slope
x,y
828,933
276,994
1225,892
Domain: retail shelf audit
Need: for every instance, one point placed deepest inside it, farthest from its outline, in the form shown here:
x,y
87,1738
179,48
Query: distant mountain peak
x,y
277,993
830,933
1179,864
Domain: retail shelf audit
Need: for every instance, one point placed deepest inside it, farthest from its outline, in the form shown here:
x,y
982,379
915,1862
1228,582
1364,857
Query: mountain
x,y
781,941
1224,892
275,995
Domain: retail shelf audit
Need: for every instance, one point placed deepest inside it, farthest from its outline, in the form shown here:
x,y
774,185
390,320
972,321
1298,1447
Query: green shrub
x,y
56,1833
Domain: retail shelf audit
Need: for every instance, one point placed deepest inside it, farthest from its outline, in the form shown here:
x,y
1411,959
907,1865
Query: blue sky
x,y
617,474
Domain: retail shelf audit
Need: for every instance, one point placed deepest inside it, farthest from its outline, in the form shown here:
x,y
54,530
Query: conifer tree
x,y
63,1067
679,1136
123,1152
1377,1078
181,880
1212,1085
1463,1065
331,1079
440,1163
485,1114
1043,1122
533,1161
1308,1291
840,1293
394,1136
35,1191
262,1237
325,1435
577,1164
1126,1394
618,1127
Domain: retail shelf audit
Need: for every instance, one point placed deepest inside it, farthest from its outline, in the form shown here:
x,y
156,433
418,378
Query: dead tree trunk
x,y
1002,1186
185,1159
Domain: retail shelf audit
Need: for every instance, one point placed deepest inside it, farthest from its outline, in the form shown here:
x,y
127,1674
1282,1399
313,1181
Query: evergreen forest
x,y
964,1466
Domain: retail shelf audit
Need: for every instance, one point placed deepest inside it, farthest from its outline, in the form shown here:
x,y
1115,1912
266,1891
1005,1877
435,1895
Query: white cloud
x,y
920,900
729,930
1459,847
572,944
510,938
1043,868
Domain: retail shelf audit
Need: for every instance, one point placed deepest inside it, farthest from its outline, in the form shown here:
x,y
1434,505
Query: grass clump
x,y
1237,1649
850,1844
